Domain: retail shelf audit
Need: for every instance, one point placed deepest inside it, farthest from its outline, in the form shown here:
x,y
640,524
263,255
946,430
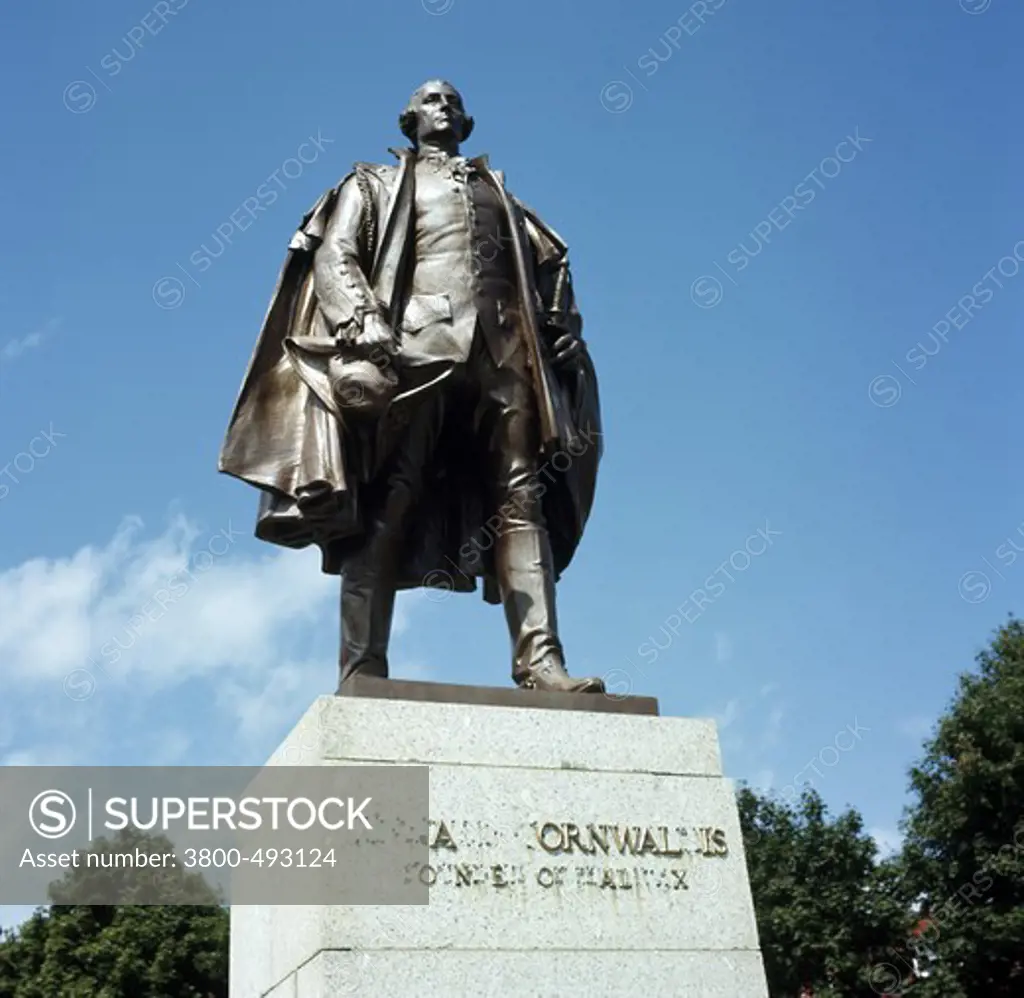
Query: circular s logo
x,y
52,814
885,391
616,96
79,684
617,684
169,292
439,585
974,587
79,97
706,291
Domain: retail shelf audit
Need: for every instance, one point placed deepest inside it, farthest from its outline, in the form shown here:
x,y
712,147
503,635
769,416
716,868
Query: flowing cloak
x,y
316,471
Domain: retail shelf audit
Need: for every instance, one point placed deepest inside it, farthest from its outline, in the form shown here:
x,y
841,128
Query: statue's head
x,y
436,112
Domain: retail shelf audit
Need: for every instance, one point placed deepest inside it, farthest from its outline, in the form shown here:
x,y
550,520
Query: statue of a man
x,y
420,403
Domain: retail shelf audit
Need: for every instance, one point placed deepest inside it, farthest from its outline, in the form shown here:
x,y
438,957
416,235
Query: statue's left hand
x,y
566,345
567,348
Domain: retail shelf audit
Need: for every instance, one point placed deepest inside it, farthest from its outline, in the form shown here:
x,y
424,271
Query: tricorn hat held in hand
x,y
344,378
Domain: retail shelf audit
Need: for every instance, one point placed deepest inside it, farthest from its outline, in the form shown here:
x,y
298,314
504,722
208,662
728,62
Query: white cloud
x,y
730,736
171,647
122,646
728,715
155,611
41,755
13,349
171,747
772,733
272,701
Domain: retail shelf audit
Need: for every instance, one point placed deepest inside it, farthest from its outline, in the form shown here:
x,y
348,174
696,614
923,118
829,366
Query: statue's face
x,y
439,112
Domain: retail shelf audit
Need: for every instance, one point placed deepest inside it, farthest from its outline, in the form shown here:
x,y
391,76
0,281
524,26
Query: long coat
x,y
291,442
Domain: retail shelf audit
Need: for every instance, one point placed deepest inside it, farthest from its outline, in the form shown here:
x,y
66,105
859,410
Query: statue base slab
x,y
571,852
493,696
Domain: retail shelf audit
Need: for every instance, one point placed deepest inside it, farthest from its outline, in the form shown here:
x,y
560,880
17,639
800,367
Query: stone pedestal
x,y
590,852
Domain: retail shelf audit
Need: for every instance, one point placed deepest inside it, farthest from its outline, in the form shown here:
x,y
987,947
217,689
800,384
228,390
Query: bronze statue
x,y
420,403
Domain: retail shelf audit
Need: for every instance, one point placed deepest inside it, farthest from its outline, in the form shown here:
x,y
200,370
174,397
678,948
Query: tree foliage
x,y
132,950
945,919
826,911
964,852
133,885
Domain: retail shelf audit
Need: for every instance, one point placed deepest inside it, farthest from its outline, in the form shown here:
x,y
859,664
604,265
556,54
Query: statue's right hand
x,y
376,333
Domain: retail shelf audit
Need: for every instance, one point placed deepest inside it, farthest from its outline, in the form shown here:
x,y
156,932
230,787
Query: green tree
x,y
110,884
964,850
130,951
827,912
133,950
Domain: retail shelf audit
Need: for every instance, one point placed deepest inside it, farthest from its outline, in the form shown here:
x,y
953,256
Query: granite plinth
x,y
526,974
572,852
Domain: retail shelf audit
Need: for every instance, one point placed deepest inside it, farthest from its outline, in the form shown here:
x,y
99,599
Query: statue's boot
x,y
526,579
367,609
551,677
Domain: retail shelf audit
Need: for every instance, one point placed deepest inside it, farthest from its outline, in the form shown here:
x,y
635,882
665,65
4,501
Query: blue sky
x,y
793,234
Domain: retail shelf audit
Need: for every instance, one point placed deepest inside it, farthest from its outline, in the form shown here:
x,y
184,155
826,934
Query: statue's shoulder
x,y
384,172
361,172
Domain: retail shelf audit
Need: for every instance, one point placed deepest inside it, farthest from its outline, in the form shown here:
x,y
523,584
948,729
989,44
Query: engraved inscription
x,y
711,841
442,838
660,840
472,875
681,846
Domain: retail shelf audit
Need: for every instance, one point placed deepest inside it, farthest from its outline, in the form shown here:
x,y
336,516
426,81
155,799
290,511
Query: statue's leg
x,y
367,606
368,580
522,549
